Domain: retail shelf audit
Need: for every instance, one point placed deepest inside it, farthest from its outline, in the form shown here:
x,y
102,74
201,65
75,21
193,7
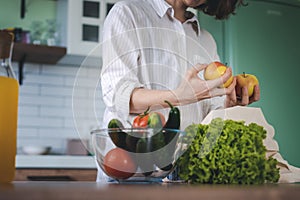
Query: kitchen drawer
x,y
56,174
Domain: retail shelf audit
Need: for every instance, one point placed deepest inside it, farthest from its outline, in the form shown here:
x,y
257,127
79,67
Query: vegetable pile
x,y
150,132
226,152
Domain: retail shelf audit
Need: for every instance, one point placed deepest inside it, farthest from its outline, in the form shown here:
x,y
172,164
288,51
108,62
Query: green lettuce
x,y
226,152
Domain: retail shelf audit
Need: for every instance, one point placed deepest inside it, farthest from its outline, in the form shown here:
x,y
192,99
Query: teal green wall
x,y
267,44
216,28
263,39
37,10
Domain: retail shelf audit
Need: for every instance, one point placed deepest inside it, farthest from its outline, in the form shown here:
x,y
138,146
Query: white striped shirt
x,y
145,46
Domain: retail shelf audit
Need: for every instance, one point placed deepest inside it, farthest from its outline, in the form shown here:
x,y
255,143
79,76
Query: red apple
x,y
245,80
216,70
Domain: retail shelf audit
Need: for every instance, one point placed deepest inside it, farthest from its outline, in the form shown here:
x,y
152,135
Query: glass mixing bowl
x,y
137,154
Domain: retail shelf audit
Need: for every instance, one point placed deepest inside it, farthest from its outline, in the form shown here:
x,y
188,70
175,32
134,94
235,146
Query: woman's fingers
x,y
196,69
244,99
256,94
193,88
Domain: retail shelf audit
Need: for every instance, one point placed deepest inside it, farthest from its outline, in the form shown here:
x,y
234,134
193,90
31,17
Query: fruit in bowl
x,y
153,159
118,163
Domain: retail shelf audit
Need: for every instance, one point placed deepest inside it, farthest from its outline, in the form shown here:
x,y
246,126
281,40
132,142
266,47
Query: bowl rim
x,y
99,130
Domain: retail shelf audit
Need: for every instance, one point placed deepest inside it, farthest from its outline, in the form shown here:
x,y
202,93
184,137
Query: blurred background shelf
x,y
40,54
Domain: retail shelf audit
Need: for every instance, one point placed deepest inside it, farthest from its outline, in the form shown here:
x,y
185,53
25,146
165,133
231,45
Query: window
x,y
91,9
90,33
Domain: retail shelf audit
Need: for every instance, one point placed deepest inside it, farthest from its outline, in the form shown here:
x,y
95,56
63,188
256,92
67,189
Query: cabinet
x,y
55,168
56,175
80,23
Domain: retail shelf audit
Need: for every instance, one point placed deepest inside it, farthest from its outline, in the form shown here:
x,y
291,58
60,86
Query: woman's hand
x,y
233,100
193,88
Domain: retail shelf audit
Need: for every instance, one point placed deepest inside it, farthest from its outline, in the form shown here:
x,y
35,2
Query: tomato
x,y
119,164
142,120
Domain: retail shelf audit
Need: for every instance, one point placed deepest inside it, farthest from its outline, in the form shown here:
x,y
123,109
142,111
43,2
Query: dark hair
x,y
220,9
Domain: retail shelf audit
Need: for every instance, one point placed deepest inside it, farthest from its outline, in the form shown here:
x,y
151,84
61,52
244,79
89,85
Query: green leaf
x,y
227,152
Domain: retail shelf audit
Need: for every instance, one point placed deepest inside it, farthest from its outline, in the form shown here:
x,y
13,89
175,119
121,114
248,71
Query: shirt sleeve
x,y
120,54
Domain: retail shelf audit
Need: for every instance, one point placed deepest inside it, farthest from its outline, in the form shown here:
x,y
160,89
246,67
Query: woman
x,y
155,50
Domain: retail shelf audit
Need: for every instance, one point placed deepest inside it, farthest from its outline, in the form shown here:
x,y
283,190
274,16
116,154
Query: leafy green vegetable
x,y
227,152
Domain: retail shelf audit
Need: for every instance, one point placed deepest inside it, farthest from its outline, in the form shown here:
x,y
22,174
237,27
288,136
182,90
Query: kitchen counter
x,y
55,168
55,161
91,190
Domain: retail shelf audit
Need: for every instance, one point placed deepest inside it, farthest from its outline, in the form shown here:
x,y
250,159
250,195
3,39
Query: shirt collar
x,y
162,7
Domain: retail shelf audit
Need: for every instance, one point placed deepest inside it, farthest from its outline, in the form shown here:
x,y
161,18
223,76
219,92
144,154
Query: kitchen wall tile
x,y
28,132
56,112
69,81
86,76
95,92
83,127
29,110
56,91
53,122
81,123
81,82
41,100
29,89
80,103
45,79
94,72
59,70
45,105
69,123
29,68
58,133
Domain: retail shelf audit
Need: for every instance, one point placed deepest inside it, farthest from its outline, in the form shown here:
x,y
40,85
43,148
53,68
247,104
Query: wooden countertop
x,y
37,190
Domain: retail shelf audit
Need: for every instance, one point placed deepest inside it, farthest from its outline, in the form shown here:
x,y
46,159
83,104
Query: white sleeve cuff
x,y
122,98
